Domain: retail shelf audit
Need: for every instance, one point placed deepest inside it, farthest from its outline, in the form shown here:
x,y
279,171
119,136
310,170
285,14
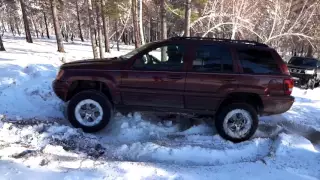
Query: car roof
x,y
220,41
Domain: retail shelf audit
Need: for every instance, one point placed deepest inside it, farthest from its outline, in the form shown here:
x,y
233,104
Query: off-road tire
x,y
225,110
97,96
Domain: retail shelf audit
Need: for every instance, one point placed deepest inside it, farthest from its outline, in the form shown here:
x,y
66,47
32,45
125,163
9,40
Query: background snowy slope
x,y
141,145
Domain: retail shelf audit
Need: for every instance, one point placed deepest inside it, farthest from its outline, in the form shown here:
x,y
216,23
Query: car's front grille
x,y
298,71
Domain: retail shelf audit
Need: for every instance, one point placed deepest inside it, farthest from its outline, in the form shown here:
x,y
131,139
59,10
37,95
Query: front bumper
x,y
301,79
60,88
276,104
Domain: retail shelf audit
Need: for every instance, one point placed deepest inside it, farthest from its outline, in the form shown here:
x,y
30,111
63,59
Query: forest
x,y
292,27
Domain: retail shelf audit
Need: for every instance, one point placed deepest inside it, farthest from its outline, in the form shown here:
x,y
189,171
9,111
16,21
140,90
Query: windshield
x,y
136,51
297,61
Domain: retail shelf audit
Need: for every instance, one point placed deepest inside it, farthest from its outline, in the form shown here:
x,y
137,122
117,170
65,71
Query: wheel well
x,y
78,86
249,98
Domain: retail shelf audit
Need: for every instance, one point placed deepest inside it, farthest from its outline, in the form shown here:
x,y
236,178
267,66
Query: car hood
x,y
301,67
111,63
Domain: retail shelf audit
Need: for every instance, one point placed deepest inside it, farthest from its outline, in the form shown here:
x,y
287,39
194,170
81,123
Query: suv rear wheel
x,y
90,110
237,122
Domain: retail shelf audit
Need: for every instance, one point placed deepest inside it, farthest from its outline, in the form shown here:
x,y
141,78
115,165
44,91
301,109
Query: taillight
x,y
288,86
285,69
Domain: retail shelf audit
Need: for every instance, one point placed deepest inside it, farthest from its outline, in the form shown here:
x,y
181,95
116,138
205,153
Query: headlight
x,y
310,71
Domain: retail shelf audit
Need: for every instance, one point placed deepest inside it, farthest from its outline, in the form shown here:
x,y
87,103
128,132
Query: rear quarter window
x,y
256,61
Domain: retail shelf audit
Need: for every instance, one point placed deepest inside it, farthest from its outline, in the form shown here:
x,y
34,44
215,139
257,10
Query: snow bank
x,y
296,155
194,152
137,127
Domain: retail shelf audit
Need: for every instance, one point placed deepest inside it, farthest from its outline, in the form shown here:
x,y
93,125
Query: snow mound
x,y
137,127
51,138
296,154
27,92
195,150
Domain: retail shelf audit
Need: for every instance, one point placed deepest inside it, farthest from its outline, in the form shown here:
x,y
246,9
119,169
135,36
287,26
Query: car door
x,y
210,78
156,78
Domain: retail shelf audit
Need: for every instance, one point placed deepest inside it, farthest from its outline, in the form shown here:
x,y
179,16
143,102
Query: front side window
x,y
136,51
165,58
255,61
213,58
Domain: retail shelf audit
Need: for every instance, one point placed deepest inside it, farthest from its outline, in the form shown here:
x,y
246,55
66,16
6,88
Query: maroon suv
x,y
234,80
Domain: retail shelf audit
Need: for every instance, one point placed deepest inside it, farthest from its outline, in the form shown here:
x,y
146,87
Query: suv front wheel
x,y
237,122
90,110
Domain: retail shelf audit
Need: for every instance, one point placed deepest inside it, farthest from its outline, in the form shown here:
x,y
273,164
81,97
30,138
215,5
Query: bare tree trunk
x,y
25,22
187,18
12,28
92,30
117,34
163,28
135,24
163,20
151,33
309,51
17,25
46,23
35,27
141,22
3,26
105,27
57,26
1,45
79,22
41,29
98,11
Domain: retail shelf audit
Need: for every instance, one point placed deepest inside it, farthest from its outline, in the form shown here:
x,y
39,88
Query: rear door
x,y
211,76
260,71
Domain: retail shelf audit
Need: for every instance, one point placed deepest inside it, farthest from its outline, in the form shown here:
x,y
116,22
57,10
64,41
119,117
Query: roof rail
x,y
221,40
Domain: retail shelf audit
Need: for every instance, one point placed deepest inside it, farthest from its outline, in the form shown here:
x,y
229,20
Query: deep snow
x,y
36,142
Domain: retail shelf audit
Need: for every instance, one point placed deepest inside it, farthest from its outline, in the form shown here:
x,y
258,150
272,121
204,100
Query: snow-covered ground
x,y
36,142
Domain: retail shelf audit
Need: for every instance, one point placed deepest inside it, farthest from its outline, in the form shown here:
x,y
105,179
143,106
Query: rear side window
x,y
254,61
213,58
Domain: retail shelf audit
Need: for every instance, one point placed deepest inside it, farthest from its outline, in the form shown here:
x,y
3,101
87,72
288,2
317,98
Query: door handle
x,y
229,80
176,77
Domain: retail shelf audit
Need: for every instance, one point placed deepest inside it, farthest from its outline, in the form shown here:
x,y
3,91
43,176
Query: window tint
x,y
213,58
255,61
299,61
165,58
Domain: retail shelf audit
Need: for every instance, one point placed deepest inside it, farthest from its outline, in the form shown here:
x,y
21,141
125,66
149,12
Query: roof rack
x,y
221,40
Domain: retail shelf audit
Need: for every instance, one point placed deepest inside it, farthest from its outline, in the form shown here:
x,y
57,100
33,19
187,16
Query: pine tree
x,y
57,25
187,18
135,24
92,30
26,22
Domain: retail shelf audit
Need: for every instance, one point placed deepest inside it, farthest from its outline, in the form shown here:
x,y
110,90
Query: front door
x,y
156,78
211,77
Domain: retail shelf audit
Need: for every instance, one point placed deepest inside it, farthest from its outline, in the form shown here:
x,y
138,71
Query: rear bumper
x,y
60,88
276,105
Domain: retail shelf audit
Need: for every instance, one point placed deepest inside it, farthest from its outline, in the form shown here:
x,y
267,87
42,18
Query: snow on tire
x,y
90,110
237,122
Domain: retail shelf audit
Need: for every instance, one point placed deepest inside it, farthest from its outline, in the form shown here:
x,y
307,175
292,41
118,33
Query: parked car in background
x,y
305,71
234,81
